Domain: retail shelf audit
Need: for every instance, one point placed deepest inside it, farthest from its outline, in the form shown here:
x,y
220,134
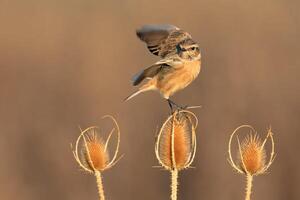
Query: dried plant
x,y
91,153
251,155
175,146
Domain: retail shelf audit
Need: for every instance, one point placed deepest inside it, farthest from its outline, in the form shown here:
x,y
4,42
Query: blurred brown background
x,y
67,63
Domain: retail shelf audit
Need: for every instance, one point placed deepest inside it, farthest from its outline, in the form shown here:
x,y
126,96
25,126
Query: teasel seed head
x,y
252,153
176,142
91,152
252,158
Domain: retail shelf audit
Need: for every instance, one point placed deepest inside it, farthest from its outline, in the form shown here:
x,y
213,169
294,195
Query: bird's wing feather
x,y
162,40
146,73
162,65
173,61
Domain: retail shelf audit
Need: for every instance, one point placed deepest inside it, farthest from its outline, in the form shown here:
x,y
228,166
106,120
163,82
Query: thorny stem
x,y
174,184
249,186
99,185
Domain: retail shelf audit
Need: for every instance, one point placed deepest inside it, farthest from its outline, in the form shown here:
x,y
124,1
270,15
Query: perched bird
x,y
180,63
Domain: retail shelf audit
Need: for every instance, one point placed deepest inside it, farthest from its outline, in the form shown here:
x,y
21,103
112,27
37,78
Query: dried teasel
x,y
175,146
92,155
251,155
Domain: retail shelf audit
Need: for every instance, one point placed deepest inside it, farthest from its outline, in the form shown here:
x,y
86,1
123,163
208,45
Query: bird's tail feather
x,y
140,90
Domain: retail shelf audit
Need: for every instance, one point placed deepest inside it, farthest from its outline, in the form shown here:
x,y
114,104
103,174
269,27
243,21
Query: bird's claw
x,y
179,108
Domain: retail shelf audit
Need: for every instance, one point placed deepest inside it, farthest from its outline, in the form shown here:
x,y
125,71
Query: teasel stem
x,y
249,179
99,185
174,184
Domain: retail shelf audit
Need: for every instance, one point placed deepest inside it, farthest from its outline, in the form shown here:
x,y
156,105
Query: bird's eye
x,y
193,48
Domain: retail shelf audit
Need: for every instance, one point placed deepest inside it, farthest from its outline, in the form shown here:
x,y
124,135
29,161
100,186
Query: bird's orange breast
x,y
179,78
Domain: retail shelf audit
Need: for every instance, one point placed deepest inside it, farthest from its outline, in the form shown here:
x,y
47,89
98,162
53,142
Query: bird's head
x,y
188,50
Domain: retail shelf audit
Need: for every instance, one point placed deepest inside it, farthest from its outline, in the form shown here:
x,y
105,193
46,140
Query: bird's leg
x,y
171,103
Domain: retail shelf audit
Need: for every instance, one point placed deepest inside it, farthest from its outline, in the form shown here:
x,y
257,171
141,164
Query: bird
x,y
179,65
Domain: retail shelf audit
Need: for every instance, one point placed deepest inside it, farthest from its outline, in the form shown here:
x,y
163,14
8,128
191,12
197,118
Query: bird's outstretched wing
x,y
162,40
